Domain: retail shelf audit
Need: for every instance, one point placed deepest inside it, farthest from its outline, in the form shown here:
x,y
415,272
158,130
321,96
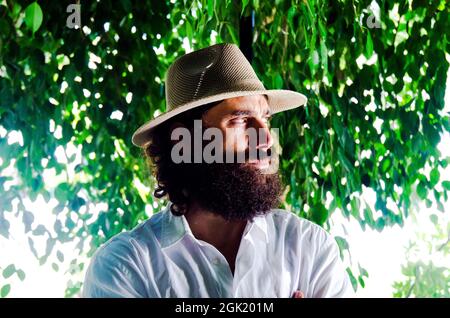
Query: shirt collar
x,y
259,224
170,229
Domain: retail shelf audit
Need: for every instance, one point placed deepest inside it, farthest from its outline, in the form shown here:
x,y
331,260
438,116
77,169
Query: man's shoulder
x,y
296,226
285,216
120,261
127,242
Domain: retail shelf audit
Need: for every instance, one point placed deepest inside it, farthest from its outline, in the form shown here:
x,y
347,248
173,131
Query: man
x,y
221,234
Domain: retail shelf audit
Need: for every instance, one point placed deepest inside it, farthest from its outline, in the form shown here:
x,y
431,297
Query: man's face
x,y
234,117
236,191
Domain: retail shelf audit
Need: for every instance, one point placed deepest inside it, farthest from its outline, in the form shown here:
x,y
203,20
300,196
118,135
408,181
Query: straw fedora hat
x,y
212,74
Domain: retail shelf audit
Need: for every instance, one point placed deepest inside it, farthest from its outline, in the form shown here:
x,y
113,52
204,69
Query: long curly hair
x,y
169,176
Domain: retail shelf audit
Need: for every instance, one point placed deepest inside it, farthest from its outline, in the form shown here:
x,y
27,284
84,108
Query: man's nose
x,y
265,140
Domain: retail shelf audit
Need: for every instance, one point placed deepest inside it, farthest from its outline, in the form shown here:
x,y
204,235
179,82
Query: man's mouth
x,y
261,164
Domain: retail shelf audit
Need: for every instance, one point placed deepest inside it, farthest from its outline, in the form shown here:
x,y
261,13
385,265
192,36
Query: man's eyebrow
x,y
247,113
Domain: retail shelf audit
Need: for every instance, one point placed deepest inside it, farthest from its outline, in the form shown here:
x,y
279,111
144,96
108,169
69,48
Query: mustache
x,y
247,155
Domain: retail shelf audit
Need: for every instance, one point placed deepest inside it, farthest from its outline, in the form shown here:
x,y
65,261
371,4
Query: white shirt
x,y
279,253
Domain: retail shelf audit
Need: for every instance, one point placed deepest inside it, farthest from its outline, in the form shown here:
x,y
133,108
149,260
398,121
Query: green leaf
x,y
278,81
21,274
342,243
70,224
290,17
324,55
76,203
55,267
4,227
322,29
319,213
440,206
59,208
380,223
32,248
368,217
422,191
386,164
434,219
50,244
355,207
244,5
232,33
347,142
369,46
27,220
5,290
363,272
9,271
434,177
361,281
188,29
33,16
210,9
60,256
16,9
446,185
39,230
352,278
61,192
344,161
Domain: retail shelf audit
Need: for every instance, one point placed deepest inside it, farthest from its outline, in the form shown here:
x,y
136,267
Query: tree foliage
x,y
422,277
374,114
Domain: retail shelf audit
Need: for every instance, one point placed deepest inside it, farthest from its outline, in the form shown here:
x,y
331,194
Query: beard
x,y
235,191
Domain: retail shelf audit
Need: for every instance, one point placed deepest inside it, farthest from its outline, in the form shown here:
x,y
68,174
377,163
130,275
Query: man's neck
x,y
214,229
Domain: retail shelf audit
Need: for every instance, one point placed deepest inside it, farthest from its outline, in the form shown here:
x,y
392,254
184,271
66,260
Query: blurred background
x,y
367,159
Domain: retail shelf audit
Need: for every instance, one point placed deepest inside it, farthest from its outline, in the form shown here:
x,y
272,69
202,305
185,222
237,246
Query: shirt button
x,y
216,261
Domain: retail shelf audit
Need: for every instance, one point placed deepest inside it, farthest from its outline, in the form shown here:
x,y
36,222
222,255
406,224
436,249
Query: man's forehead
x,y
257,104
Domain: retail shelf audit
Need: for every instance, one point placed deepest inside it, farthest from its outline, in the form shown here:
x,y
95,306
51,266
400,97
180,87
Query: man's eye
x,y
238,121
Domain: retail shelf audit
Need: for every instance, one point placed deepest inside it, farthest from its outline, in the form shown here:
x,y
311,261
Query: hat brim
x,y
278,99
